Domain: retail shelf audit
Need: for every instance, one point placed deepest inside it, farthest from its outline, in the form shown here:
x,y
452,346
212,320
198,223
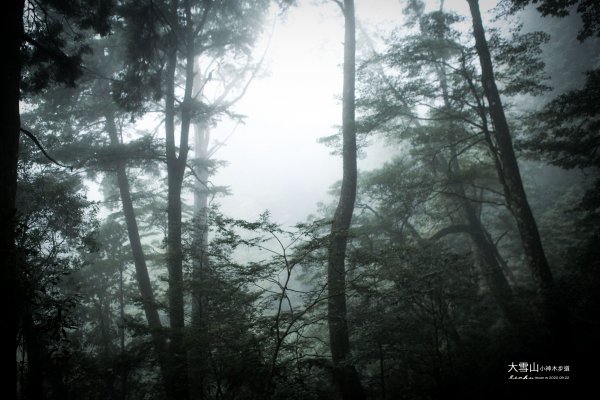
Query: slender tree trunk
x,y
141,270
174,253
510,177
9,152
175,268
124,368
200,263
106,356
345,373
176,164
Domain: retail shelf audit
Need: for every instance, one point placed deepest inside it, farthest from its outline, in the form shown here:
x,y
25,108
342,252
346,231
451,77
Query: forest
x,y
453,254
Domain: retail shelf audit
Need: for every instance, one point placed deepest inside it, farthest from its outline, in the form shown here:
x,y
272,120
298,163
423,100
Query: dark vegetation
x,y
435,276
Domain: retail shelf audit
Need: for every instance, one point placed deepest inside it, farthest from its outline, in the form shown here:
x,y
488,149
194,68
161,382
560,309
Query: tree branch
x,y
449,230
39,146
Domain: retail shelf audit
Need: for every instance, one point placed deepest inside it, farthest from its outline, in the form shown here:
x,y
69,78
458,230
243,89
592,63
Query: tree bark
x,y
344,372
9,153
510,178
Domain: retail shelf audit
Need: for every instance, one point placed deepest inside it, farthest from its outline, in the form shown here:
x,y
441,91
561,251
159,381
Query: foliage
x,y
56,39
588,10
55,219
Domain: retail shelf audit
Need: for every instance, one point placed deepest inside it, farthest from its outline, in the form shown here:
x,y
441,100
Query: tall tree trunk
x,y
124,370
511,179
106,355
9,153
345,373
176,163
139,260
200,264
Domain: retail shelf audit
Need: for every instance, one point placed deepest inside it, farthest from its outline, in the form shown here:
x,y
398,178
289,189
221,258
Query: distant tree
x,y
219,83
566,132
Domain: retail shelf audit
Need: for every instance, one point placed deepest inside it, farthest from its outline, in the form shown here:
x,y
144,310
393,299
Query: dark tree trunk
x,y
139,260
106,355
9,152
345,373
124,370
510,177
176,164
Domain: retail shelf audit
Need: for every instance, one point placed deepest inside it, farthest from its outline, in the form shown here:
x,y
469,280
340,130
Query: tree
x,y
510,177
432,66
345,373
89,132
487,252
149,302
181,32
11,124
224,44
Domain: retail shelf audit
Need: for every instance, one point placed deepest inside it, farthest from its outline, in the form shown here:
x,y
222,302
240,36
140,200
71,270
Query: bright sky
x,y
274,159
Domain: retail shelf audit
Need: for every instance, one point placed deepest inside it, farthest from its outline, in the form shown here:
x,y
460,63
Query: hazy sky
x,y
274,159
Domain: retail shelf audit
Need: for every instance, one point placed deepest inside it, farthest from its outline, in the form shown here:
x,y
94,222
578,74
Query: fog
x,y
274,160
